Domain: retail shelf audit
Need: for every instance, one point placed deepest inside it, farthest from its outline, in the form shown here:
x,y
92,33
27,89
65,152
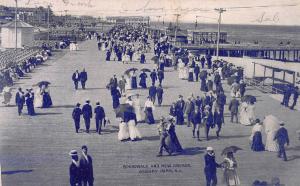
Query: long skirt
x,y
191,76
257,144
149,116
134,133
133,83
123,133
116,101
210,85
47,101
175,141
231,177
137,110
271,144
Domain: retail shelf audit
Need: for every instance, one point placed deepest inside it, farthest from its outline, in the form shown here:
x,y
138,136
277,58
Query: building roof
x,y
20,24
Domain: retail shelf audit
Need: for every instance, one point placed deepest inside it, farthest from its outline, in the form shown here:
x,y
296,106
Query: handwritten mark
x,y
267,18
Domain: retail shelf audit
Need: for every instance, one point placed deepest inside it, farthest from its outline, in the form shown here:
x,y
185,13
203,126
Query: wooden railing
x,y
259,85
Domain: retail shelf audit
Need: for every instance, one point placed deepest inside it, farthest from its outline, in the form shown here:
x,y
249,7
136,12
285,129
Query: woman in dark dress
x,y
176,146
148,109
143,77
47,101
133,81
256,137
115,94
203,85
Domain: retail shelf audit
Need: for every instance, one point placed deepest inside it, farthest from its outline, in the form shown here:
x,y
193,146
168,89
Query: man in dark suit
x,y
196,72
115,81
153,76
76,116
202,60
87,115
161,76
152,93
86,167
210,168
196,118
74,170
83,78
282,138
218,120
99,117
76,78
234,109
188,110
221,101
20,100
159,93
179,111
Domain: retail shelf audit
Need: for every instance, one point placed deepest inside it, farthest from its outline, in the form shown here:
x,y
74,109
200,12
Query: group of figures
x,y
40,99
81,77
87,113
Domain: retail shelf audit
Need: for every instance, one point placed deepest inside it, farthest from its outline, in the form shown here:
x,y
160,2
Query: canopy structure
x,y
25,34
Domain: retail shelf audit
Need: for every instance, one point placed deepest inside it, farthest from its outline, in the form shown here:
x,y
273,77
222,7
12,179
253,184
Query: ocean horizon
x,y
248,33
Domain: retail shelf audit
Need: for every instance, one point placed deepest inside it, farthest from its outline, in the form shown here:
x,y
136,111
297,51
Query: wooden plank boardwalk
x,y
34,150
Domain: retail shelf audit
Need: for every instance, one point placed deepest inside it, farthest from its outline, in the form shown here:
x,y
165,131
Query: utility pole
x,y
66,11
48,22
16,19
158,19
176,27
220,11
196,22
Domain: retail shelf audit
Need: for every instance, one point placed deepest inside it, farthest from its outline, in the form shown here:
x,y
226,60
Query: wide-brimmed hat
x,y
209,149
78,104
73,153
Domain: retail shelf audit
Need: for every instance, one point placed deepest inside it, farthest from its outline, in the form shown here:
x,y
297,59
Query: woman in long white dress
x,y
251,112
38,98
244,115
123,133
186,72
128,82
134,133
271,125
137,108
180,69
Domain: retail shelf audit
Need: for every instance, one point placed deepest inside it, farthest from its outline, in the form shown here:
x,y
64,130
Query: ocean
x,y
265,34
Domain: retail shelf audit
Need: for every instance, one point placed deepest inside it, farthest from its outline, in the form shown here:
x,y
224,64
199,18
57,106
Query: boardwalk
x,y
34,150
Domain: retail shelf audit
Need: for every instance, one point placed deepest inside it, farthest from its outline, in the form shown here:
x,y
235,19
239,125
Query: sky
x,y
264,12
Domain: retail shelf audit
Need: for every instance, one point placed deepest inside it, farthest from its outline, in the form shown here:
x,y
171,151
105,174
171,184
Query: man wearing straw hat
x,y
210,168
20,100
282,138
74,170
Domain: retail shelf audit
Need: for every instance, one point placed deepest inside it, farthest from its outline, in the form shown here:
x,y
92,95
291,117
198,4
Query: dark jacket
x,y
153,75
75,175
159,92
87,111
197,70
76,113
83,76
160,74
210,165
196,117
234,106
152,91
86,168
282,136
20,98
74,78
99,112
218,118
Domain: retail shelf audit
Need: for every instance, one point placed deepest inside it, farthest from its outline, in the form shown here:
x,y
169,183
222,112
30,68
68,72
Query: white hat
x,y
73,153
209,149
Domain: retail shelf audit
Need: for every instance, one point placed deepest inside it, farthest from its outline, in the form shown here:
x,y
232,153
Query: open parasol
x,y
229,149
122,109
249,98
41,83
154,58
145,70
129,70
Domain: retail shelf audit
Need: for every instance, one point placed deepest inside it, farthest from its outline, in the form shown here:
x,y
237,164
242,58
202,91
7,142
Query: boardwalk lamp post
x,y
220,11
